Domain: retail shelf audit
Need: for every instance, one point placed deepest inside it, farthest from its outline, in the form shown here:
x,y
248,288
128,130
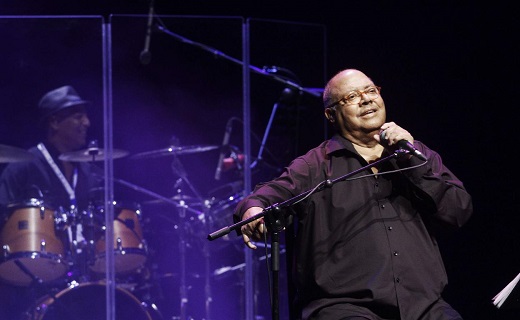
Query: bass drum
x,y
87,301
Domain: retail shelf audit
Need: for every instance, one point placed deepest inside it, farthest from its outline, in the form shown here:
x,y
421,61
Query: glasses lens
x,y
355,96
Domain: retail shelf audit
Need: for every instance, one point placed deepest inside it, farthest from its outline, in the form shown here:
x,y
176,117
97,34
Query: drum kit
x,y
46,248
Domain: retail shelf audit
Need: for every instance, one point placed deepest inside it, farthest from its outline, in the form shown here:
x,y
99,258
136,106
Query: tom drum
x,y
32,252
129,246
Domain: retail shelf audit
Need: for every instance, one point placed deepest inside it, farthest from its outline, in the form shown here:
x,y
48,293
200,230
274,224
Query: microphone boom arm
x,y
312,91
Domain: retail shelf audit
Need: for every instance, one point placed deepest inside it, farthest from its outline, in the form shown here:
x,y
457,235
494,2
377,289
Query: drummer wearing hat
x,y
63,114
61,185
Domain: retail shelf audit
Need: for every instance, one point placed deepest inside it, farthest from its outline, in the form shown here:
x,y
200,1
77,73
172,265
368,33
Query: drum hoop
x,y
124,252
134,207
39,309
35,255
30,203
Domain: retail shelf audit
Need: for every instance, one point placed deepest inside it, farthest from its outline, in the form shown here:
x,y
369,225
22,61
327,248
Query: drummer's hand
x,y
255,229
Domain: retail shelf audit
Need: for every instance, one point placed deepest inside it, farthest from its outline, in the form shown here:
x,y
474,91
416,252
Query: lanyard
x,y
64,182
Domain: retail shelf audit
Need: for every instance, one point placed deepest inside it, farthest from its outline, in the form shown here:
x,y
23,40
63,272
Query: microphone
x,y
405,145
225,143
146,56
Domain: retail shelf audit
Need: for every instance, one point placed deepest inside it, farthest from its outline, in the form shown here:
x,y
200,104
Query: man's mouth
x,y
369,111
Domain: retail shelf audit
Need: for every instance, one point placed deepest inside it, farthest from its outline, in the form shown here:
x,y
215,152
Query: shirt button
x,y
396,253
397,280
390,228
382,206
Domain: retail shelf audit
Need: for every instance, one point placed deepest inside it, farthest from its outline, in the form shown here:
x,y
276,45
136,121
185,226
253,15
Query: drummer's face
x,y
71,126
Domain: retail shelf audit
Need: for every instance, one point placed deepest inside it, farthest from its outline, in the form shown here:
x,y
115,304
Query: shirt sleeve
x,y
292,181
436,184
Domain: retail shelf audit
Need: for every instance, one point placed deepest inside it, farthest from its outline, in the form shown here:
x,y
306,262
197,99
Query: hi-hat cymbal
x,y
91,154
173,150
14,154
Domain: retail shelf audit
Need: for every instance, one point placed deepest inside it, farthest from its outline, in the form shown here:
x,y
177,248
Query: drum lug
x,y
138,213
6,250
119,244
43,246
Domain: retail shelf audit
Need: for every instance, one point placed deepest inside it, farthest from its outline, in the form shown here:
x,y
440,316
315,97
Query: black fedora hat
x,y
59,99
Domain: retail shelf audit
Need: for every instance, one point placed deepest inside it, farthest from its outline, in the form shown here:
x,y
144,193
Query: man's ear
x,y
330,114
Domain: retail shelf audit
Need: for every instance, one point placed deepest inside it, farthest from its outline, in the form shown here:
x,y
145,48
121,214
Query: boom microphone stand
x,y
316,92
276,217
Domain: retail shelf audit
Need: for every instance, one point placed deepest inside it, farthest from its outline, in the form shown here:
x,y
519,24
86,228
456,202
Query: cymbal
x,y
14,154
173,150
91,154
175,198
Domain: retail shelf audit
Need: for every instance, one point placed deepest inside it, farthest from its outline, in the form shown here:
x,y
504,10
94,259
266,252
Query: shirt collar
x,y
337,143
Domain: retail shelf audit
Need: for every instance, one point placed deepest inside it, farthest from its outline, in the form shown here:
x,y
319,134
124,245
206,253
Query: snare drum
x,y
32,252
129,246
87,301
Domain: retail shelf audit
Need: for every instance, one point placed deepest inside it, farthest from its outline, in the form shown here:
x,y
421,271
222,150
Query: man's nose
x,y
85,121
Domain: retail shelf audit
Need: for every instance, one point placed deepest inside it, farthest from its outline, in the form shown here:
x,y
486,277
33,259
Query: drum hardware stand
x,y
36,284
74,247
90,235
35,280
183,208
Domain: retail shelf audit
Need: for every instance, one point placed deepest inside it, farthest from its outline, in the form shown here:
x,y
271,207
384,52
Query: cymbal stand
x,y
208,222
182,252
178,169
73,238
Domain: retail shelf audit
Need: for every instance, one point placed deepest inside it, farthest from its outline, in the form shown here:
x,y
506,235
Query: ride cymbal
x,y
91,154
173,150
14,154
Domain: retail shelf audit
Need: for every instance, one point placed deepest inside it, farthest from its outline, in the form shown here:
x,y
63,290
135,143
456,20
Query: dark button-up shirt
x,y
21,181
368,241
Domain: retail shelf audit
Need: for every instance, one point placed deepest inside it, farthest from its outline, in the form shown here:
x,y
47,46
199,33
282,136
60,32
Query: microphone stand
x,y
276,217
316,92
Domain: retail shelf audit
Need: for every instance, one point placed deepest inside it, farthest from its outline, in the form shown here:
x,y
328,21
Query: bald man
x,y
365,247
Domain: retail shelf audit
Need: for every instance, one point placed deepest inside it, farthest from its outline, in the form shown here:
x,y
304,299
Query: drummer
x,y
59,184
63,115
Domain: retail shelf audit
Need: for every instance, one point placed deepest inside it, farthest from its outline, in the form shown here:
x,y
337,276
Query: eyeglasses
x,y
354,97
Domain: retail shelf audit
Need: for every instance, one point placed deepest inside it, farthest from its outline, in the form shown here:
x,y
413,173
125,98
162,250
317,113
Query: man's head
x,y
65,116
353,105
57,100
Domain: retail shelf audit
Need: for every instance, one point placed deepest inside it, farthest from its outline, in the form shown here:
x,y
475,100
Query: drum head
x,y
26,268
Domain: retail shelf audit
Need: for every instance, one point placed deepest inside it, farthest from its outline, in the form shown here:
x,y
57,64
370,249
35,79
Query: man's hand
x,y
255,229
